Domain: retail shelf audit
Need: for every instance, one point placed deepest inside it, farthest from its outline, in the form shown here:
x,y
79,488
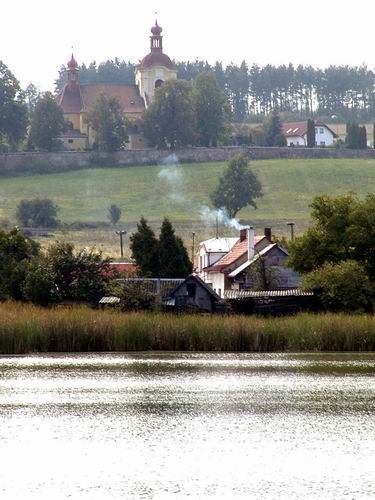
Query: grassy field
x,y
181,192
26,329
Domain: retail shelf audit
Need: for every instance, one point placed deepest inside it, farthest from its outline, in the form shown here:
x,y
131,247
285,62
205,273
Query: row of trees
x,y
344,91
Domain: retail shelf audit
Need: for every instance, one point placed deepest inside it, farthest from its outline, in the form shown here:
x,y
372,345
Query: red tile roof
x,y
82,97
237,251
128,96
155,58
125,268
299,129
70,99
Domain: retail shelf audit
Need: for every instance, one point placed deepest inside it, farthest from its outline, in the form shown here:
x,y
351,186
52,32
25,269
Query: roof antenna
x,y
217,227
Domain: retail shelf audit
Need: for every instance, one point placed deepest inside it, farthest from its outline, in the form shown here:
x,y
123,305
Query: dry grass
x,y
26,329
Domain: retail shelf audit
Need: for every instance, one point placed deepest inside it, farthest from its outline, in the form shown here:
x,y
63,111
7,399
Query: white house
x,y
295,134
212,250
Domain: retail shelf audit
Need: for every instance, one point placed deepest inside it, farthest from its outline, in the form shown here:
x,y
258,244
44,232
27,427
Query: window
x,y
321,130
219,292
70,141
200,262
158,83
322,143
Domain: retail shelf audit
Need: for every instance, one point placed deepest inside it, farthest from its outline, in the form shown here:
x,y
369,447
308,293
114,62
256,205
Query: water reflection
x,y
187,425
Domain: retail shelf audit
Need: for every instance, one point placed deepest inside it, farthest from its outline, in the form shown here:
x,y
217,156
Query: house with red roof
x,y
295,134
78,99
233,271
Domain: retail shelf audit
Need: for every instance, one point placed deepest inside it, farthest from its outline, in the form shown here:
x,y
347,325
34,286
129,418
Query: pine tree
x,y
363,137
173,257
274,132
144,248
311,142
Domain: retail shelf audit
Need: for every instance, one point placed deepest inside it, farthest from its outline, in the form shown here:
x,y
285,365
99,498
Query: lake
x,y
184,425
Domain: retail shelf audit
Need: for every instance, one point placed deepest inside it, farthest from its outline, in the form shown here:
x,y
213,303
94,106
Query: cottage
x,y
295,134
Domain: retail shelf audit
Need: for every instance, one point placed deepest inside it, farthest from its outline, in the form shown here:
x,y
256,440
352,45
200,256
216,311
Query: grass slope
x,y
180,192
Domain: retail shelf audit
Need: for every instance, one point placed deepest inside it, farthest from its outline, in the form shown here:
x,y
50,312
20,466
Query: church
x,y
78,99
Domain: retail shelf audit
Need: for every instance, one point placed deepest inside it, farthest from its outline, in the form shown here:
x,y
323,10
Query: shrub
x,y
37,213
344,286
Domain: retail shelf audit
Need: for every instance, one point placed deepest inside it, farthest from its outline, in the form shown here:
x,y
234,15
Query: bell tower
x,y
155,68
72,73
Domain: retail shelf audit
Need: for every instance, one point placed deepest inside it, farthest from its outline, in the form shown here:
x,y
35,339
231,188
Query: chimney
x,y
268,233
250,243
243,234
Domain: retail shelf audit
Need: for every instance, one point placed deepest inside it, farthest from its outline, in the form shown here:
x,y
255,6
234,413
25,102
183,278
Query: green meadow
x,y
180,192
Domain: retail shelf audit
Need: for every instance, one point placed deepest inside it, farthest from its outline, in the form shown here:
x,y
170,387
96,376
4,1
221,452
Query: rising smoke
x,y
172,174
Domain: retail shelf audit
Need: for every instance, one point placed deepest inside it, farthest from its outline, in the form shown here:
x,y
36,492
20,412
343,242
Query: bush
x,y
134,296
37,213
340,287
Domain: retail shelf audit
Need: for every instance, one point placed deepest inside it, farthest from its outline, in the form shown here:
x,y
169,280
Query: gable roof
x,y
299,129
82,98
219,244
201,283
236,252
249,263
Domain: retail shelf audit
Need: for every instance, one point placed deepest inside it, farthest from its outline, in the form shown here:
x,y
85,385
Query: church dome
x,y
156,59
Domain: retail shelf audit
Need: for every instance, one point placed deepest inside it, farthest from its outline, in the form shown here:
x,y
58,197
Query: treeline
x,y
339,93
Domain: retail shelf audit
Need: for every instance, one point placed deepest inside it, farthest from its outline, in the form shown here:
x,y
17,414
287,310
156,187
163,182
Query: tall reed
x,y
26,329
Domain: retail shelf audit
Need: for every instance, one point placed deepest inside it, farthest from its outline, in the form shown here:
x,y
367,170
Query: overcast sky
x,y
36,36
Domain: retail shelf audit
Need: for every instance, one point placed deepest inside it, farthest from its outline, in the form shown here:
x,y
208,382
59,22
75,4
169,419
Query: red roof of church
x,y
156,59
82,98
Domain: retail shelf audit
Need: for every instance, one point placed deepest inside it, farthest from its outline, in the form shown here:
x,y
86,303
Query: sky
x,y
37,36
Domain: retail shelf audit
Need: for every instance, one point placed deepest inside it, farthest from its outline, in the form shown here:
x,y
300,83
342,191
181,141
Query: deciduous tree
x,y
47,123
114,214
108,121
170,121
37,213
238,187
211,109
13,110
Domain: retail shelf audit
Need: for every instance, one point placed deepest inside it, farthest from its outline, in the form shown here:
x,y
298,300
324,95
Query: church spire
x,y
72,72
156,38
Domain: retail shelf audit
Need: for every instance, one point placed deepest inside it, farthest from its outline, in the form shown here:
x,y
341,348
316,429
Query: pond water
x,y
167,425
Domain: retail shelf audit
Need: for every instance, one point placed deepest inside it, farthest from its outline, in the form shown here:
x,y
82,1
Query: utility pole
x,y
193,250
121,233
291,226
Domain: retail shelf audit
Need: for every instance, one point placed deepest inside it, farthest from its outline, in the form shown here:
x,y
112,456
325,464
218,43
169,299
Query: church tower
x,y
72,73
155,68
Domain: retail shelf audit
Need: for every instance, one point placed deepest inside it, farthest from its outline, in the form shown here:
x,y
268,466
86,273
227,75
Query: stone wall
x,y
32,163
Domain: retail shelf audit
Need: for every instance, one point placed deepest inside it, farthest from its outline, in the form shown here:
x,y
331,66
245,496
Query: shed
x,y
194,293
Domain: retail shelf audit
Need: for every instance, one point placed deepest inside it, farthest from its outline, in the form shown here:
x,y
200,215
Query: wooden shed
x,y
194,294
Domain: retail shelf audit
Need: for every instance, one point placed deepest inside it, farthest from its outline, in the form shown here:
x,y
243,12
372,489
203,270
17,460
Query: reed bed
x,y
26,329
